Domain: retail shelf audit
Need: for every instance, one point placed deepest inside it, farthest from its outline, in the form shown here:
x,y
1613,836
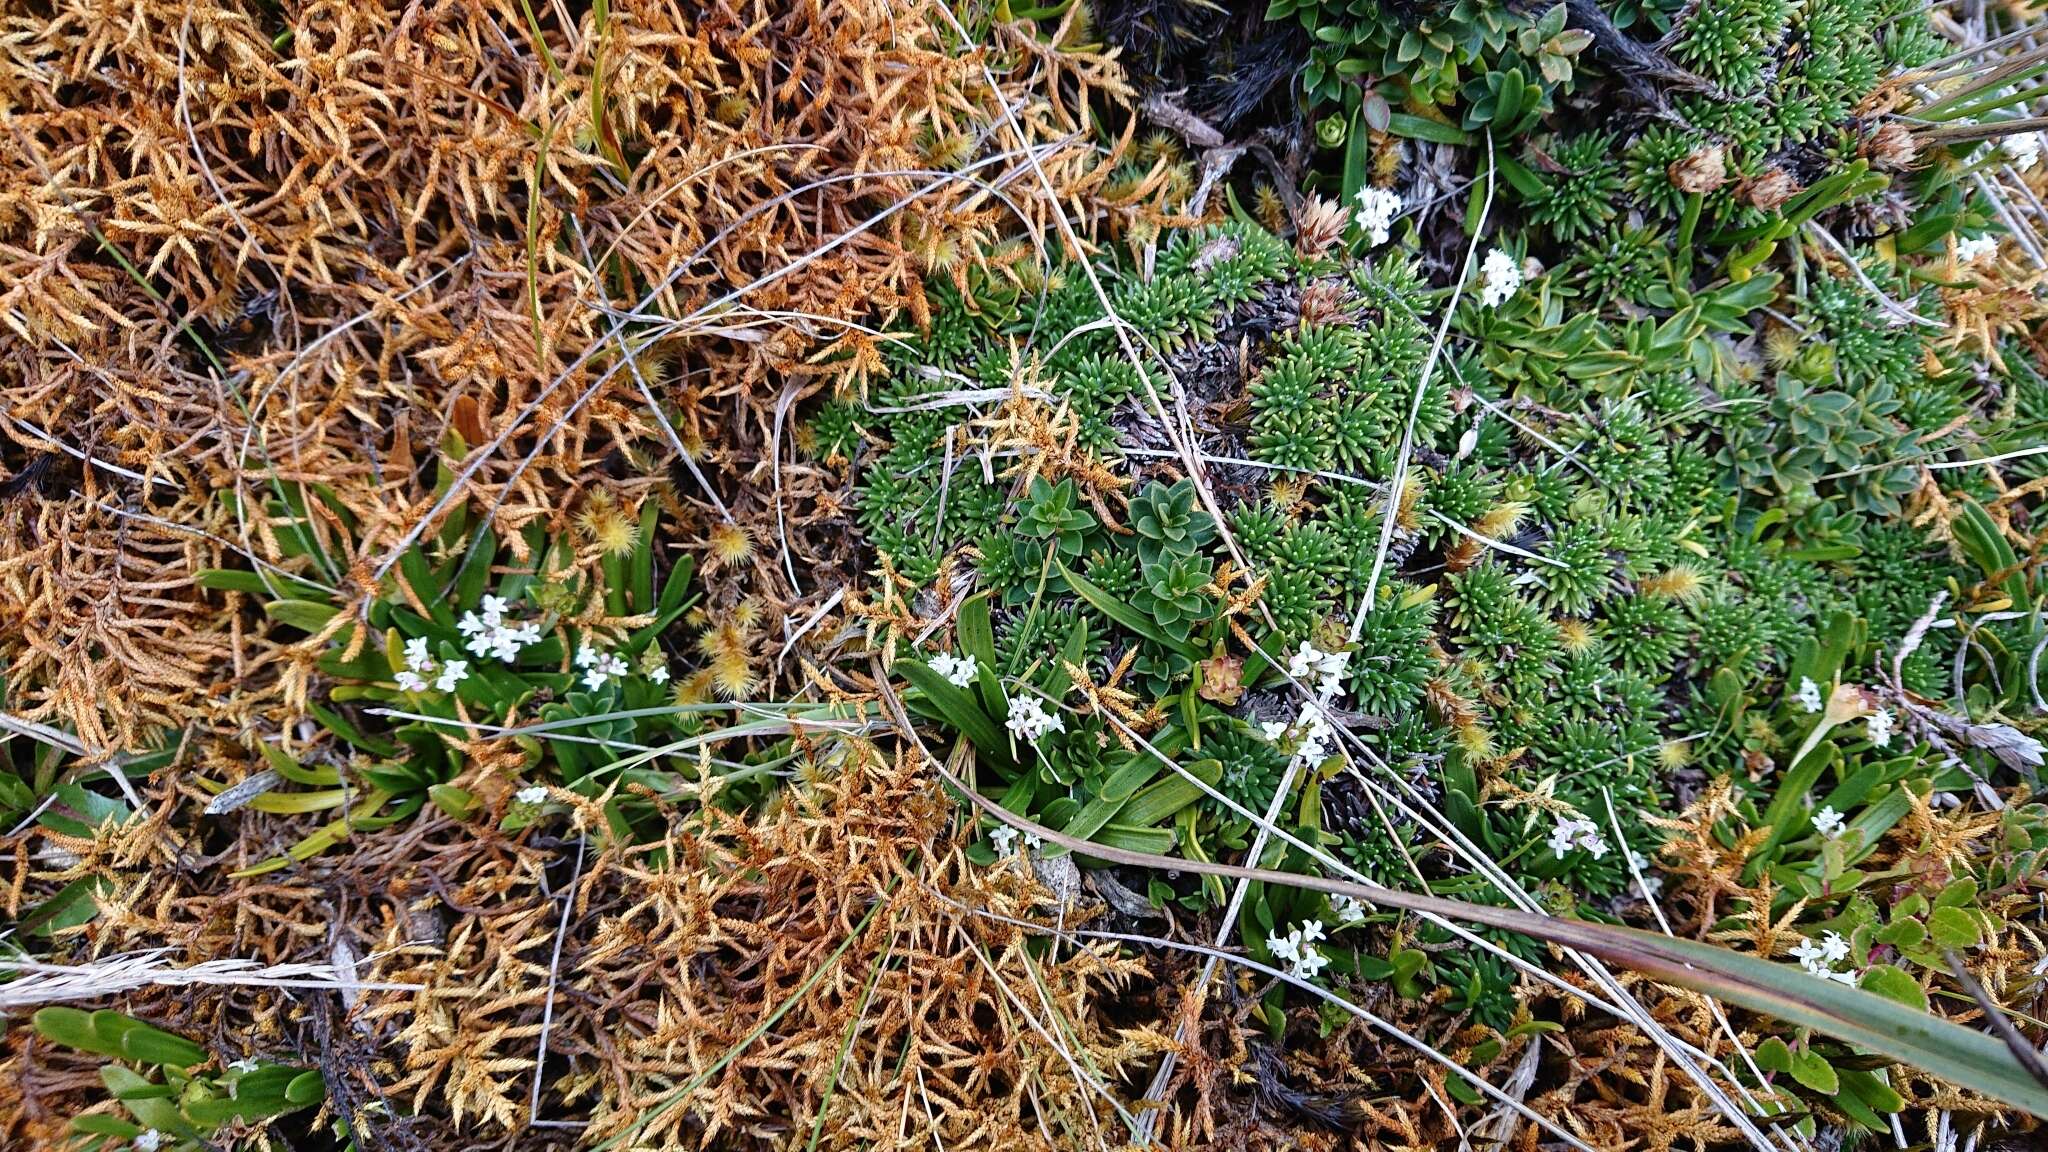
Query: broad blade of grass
x,y
951,704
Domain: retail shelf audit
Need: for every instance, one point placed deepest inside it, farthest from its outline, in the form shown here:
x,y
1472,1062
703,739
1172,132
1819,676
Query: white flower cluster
x,y
1828,822
490,635
1503,278
1298,948
598,666
1349,909
419,664
1881,727
1325,668
1029,719
1652,885
1809,694
1005,839
1970,249
532,794
1577,832
1311,728
1377,208
2021,149
1820,959
958,670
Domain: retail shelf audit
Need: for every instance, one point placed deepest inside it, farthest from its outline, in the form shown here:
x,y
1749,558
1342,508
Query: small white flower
x,y
410,681
2022,149
1029,719
1326,668
1377,208
1576,832
958,670
1503,278
471,624
1809,694
1317,736
1299,664
1881,726
494,610
149,1140
1828,822
1834,948
1970,249
1331,669
1651,884
1310,965
600,667
1297,947
1005,840
1033,841
1820,958
1348,908
1564,836
416,657
505,645
455,672
658,673
532,794
242,1065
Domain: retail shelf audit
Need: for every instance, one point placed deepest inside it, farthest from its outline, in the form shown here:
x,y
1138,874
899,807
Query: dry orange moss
x,y
237,252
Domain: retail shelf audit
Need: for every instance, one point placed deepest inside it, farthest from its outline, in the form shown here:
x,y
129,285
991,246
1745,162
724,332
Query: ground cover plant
x,y
883,575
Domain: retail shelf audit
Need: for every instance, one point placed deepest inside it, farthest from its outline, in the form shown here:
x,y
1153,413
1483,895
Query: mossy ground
x,y
513,509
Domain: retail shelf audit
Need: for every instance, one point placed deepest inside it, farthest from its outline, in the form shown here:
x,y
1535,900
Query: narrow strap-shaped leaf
x,y
977,636
1166,797
676,586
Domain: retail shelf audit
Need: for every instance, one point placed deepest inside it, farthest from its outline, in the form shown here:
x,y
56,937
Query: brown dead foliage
x,y
246,251
734,957
245,247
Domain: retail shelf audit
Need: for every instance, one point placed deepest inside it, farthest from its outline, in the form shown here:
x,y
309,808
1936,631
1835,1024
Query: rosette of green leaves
x,y
1172,593
1167,521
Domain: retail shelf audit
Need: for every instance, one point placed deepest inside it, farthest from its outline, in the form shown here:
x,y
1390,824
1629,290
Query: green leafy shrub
x,y
468,629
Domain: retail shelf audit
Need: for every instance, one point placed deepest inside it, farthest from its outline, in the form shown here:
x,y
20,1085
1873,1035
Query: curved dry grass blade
x,y
1959,1055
